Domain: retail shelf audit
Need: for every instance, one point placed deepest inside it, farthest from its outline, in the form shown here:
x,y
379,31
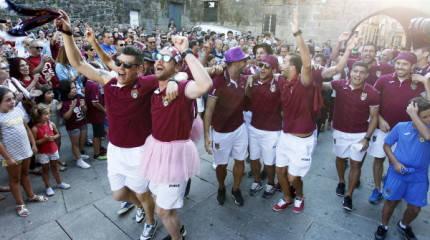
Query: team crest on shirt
x,y
387,192
134,93
363,96
413,86
272,87
378,73
421,138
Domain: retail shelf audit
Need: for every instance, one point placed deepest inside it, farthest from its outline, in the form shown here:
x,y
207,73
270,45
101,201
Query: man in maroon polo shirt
x,y
404,86
297,141
355,101
127,99
266,124
224,112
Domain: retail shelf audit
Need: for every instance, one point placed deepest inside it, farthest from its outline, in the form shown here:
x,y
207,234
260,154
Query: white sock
x,y
401,225
385,227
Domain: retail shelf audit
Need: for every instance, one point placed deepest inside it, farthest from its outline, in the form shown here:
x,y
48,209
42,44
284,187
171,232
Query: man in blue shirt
x,y
407,176
107,43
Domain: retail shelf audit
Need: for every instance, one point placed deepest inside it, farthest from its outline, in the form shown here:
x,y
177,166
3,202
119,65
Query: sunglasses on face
x,y
166,58
91,49
266,65
318,51
49,35
118,63
38,48
122,44
4,68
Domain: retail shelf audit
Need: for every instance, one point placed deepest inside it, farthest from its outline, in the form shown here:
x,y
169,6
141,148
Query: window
x,y
210,11
269,23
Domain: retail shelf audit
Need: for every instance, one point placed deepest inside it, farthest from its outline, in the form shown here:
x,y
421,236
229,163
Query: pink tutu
x,y
196,130
169,162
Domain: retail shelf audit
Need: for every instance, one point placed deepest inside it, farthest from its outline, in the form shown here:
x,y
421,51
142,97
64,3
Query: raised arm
x,y
306,71
106,59
342,38
412,110
75,56
331,71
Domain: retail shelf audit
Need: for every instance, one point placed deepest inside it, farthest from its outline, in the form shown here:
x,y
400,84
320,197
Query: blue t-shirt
x,y
110,50
412,150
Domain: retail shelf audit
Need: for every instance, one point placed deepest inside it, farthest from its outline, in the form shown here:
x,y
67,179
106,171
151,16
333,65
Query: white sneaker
x,y
49,192
63,185
85,157
82,164
214,165
140,214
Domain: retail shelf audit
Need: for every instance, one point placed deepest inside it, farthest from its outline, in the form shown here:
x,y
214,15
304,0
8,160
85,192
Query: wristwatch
x,y
186,53
297,33
172,79
367,138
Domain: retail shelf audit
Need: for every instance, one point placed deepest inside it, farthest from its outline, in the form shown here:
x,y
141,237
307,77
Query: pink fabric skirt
x,y
169,162
196,130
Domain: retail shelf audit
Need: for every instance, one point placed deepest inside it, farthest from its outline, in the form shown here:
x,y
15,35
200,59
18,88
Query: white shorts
x,y
169,195
123,166
376,148
233,144
263,144
247,116
342,145
295,152
45,158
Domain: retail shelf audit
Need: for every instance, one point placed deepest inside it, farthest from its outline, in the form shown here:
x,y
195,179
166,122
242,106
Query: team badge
x,y
387,192
421,138
217,146
413,86
272,87
134,93
378,73
165,103
363,96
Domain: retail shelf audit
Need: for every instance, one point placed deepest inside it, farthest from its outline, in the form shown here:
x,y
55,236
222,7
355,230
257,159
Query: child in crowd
x,y
73,113
15,150
47,98
45,132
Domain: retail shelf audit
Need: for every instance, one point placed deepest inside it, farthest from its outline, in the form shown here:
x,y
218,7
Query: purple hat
x,y
408,56
272,60
234,54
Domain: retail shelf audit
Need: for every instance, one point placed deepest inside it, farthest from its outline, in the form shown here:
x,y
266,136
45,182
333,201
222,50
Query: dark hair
x,y
37,111
230,32
370,44
65,88
4,91
95,65
149,36
44,89
133,51
422,103
14,67
103,33
192,43
311,49
320,55
265,46
296,61
221,35
115,42
361,64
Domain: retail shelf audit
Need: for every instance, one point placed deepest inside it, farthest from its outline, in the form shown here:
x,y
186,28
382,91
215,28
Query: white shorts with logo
x,y
376,148
169,195
295,152
342,142
123,166
46,158
262,143
233,144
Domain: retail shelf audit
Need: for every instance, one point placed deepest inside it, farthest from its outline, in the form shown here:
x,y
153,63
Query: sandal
x,y
23,212
62,168
2,197
62,163
4,189
37,198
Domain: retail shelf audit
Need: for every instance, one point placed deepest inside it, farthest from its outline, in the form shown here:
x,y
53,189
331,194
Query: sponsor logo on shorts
x,y
334,140
306,159
174,185
374,138
217,146
387,192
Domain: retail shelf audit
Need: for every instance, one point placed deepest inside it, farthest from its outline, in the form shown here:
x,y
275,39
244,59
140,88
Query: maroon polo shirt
x,y
172,120
317,77
266,105
375,71
352,106
297,104
395,96
128,110
94,95
228,112
77,119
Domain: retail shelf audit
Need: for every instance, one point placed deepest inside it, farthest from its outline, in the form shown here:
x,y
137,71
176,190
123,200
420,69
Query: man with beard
x,y
224,112
148,63
128,110
404,86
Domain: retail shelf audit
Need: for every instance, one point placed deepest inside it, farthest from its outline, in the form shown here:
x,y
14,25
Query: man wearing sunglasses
x,y
128,110
119,44
43,64
266,124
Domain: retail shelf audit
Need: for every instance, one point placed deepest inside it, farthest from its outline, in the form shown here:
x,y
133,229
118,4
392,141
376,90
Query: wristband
x,y
172,79
184,54
297,33
70,33
367,138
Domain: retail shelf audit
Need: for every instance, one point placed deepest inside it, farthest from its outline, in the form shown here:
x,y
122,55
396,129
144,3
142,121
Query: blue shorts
x,y
414,193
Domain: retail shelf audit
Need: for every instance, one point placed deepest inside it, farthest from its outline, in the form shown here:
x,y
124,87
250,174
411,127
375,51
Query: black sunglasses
x,y
166,58
122,44
266,65
38,48
91,49
118,63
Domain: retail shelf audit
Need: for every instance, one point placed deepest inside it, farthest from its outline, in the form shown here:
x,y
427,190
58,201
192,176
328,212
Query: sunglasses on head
x,y
166,58
266,65
38,48
118,63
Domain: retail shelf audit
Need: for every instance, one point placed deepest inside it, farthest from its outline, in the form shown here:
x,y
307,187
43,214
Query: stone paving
x,y
88,211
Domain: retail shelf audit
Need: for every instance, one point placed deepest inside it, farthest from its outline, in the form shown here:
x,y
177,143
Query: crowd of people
x,y
257,100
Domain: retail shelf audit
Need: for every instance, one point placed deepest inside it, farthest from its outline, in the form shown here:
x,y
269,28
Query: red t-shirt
x,y
228,112
54,50
172,120
47,69
375,71
298,106
46,147
352,106
266,106
77,119
93,95
25,84
128,111
395,96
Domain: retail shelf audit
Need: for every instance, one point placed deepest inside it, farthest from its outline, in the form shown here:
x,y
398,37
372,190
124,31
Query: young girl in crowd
x,y
47,98
73,113
15,150
45,132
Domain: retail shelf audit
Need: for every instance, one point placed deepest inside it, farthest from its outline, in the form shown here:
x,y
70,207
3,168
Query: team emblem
x,y
387,192
165,103
413,86
421,138
134,93
378,73
363,96
272,87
